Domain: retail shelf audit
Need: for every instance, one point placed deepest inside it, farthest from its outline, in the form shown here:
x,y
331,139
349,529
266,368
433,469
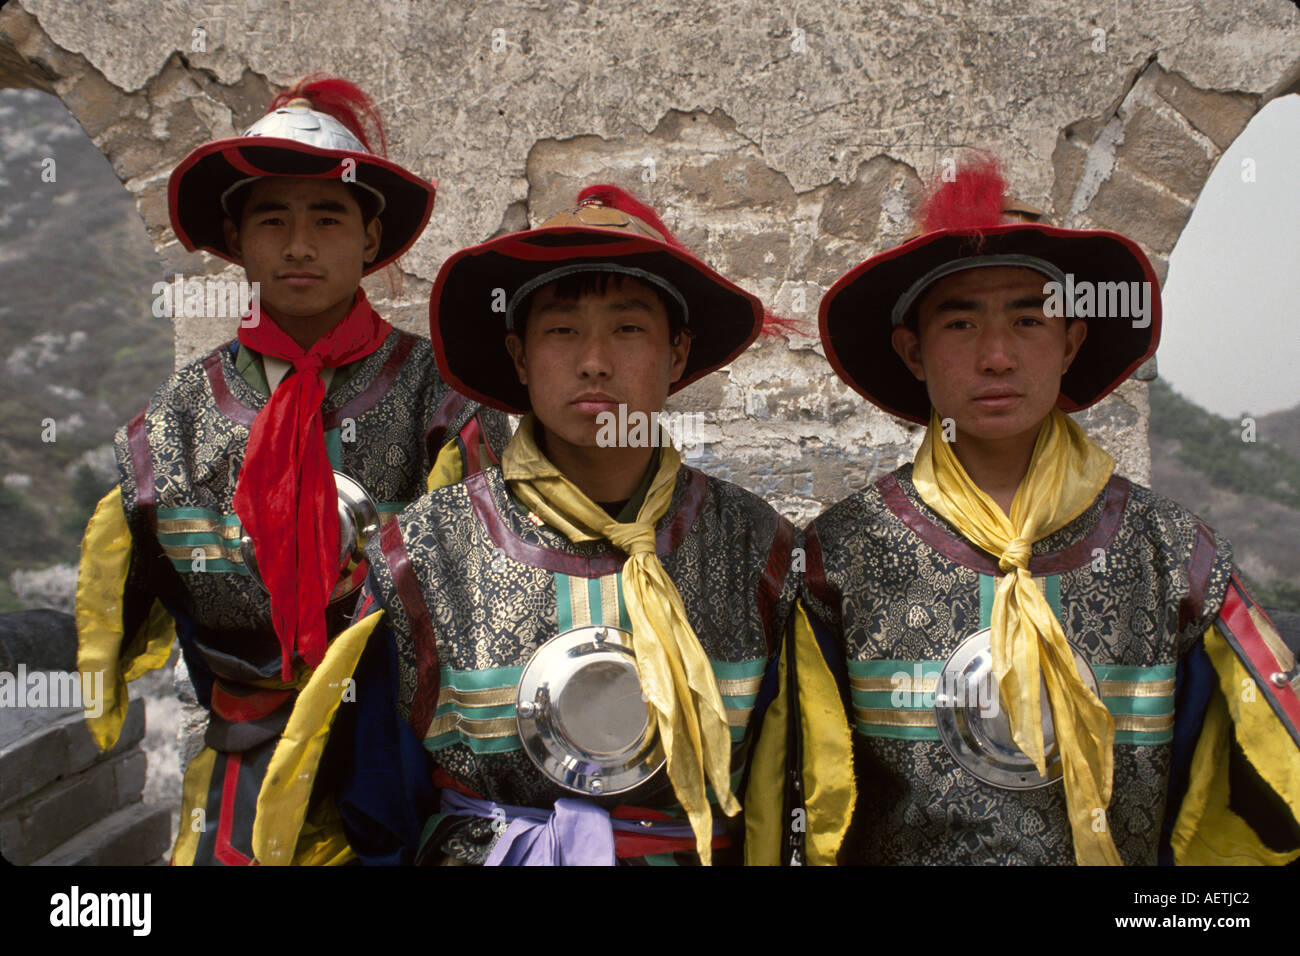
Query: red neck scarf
x,y
286,484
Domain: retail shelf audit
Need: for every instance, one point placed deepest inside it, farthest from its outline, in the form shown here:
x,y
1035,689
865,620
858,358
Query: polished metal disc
x,y
581,716
358,522
973,724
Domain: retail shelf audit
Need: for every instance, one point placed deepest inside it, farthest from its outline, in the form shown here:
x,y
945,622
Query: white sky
x,y
1232,297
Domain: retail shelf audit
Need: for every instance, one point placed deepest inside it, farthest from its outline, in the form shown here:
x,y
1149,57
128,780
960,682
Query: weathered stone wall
x,y
783,146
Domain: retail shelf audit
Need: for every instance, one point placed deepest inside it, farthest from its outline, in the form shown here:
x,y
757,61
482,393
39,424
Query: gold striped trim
x,y
1146,723
580,601
738,716
740,686
212,552
902,683
1136,688
206,525
609,599
886,717
486,697
481,729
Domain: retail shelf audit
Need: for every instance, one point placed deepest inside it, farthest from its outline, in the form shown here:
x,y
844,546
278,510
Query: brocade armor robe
x,y
1136,582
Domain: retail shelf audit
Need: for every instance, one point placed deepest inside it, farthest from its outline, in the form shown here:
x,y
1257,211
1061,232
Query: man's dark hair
x,y
570,288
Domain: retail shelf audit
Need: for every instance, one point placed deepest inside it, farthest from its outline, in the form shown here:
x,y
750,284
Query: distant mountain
x,y
78,340
1247,490
1282,429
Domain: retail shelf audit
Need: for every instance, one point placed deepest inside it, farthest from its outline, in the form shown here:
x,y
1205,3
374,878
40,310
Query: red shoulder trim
x,y
774,575
428,677
1199,567
815,573
1277,685
146,495
447,411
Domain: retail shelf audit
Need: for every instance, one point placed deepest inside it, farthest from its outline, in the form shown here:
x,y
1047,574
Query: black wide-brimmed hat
x,y
301,141
478,291
859,313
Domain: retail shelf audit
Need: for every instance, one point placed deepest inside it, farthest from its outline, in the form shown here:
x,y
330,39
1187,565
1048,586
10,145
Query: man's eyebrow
x,y
630,302
268,205
1032,301
957,305
327,205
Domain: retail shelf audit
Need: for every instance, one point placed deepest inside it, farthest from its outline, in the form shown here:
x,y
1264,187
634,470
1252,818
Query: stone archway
x,y
783,146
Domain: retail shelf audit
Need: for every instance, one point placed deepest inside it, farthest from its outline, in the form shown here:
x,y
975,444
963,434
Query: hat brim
x,y
855,315
202,178
467,318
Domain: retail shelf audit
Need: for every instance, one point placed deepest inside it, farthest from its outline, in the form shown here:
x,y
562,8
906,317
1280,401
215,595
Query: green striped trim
x,y
738,683
894,698
182,530
583,602
1141,699
476,708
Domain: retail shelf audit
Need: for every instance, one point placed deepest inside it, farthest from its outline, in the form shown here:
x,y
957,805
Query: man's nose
x,y
997,353
595,359
302,241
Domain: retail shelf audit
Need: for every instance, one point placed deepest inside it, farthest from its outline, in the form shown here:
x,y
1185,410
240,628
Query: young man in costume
x,y
255,474
1008,573
554,631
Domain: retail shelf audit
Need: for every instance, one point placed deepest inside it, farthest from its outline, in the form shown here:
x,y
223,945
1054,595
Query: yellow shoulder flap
x,y
1207,832
449,467
103,661
829,784
279,830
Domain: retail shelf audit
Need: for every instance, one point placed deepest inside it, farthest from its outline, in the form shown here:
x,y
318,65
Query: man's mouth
x,y
593,403
997,398
299,278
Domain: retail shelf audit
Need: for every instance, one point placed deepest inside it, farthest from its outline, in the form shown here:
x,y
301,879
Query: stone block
x,y
1160,147
134,836
1219,115
58,811
1131,207
96,103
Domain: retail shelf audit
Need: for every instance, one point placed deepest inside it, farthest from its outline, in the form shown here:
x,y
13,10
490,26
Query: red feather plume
x,y
345,101
971,200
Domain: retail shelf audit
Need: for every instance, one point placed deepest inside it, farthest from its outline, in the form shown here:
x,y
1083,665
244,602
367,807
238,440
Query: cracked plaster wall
x,y
783,144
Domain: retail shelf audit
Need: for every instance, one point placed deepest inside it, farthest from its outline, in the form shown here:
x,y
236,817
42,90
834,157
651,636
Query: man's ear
x,y
681,350
908,346
231,233
1076,330
374,232
515,346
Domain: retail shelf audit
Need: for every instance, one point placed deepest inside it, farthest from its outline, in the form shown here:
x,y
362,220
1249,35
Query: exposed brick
x,y
1220,116
852,210
1068,161
1161,148
1135,209
96,103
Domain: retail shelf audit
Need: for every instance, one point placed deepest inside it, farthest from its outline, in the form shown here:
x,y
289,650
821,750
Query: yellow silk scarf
x,y
1066,473
676,678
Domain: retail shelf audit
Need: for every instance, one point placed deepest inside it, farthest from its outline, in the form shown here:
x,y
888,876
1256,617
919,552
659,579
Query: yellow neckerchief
x,y
1066,473
676,677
